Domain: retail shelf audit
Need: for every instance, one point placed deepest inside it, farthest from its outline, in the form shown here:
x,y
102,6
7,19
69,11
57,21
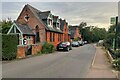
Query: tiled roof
x,y
44,15
25,29
62,22
40,16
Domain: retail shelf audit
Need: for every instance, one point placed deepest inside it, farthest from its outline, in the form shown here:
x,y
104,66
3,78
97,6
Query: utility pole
x,y
116,30
114,21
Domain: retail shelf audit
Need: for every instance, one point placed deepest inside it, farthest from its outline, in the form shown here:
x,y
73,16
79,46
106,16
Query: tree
x,y
81,28
111,35
91,33
6,24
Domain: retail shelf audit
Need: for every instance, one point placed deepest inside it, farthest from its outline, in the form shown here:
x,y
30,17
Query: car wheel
x,y
57,49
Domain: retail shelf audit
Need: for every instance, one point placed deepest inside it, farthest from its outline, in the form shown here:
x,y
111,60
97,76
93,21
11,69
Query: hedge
x,y
47,48
9,46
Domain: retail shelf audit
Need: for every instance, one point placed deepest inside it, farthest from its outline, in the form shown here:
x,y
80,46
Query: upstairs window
x,y
58,26
50,22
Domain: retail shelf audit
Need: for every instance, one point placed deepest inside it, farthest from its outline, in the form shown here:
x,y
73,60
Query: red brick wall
x,y
36,48
76,35
22,48
56,41
21,51
65,31
32,22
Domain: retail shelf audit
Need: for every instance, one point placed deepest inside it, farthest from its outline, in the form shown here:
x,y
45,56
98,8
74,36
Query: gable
x,y
19,28
33,17
14,29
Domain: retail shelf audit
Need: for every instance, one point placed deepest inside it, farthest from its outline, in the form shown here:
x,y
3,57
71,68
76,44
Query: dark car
x,y
81,43
64,46
75,44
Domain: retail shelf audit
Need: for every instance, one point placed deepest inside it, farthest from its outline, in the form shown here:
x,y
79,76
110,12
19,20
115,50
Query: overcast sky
x,y
94,13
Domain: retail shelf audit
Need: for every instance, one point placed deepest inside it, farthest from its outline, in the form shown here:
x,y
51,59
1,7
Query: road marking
x,y
93,61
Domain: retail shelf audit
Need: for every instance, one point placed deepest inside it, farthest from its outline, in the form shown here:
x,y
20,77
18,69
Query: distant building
x,y
74,32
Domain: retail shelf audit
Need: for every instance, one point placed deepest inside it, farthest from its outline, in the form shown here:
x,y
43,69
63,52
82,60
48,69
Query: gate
x,y
29,50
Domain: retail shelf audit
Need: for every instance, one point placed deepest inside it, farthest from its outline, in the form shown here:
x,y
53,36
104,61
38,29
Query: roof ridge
x,y
33,8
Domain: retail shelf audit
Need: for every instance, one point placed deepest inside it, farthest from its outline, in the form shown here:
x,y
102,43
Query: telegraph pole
x,y
116,30
114,21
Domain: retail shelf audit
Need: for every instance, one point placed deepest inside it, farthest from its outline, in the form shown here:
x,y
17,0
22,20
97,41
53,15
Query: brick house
x,y
34,26
64,27
74,32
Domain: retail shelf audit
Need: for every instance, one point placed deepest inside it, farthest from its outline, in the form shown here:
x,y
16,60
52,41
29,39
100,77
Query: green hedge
x,y
48,48
9,46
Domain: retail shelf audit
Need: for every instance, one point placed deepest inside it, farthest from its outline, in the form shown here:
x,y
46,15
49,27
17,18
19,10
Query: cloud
x,y
94,13
60,0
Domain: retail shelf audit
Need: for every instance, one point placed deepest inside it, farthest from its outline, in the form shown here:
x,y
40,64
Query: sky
x,y
94,13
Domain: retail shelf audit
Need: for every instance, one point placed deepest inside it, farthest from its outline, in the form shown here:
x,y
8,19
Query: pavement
x,y
100,67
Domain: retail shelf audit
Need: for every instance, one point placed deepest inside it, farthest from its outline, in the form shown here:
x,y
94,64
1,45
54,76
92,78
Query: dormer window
x,y
50,22
26,17
58,25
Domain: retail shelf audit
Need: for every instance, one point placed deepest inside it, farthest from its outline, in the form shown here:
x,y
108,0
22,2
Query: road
x,y
72,64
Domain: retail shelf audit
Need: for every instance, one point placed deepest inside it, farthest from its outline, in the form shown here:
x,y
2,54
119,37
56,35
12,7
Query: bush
x,y
48,48
117,54
9,46
76,39
116,64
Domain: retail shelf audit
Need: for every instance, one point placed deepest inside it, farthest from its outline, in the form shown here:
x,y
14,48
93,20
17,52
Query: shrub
x,y
48,48
9,46
116,64
117,54
76,39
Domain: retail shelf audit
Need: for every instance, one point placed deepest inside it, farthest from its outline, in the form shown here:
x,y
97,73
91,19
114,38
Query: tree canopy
x,y
91,33
6,24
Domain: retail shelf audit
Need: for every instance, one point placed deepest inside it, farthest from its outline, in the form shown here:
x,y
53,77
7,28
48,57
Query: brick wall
x,y
76,35
32,22
21,51
36,48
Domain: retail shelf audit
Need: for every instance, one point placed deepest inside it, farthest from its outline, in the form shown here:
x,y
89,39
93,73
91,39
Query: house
x,y
65,29
35,27
74,32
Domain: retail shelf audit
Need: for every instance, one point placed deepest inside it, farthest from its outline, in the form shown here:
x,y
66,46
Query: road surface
x,y
72,64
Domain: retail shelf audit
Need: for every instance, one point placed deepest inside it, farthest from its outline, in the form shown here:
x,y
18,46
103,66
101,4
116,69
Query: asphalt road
x,y
72,64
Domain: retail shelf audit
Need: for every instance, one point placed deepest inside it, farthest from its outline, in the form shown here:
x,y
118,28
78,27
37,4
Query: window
x,y
51,39
59,37
26,17
37,34
28,37
58,26
50,22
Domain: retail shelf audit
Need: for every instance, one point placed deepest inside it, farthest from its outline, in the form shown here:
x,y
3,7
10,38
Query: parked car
x,y
81,43
75,44
64,46
85,42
